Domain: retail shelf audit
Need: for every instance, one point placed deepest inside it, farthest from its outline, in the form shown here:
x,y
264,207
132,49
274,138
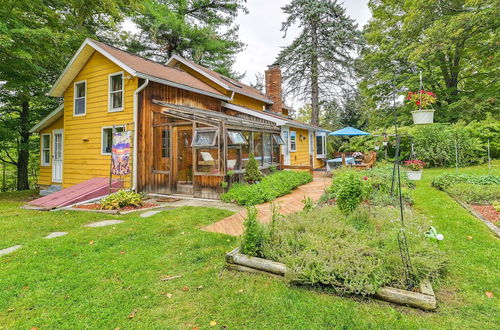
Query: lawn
x,y
111,277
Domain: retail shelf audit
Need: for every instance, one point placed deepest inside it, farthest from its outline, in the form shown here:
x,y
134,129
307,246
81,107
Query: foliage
x,y
447,180
376,186
37,38
320,58
453,42
476,194
496,205
435,144
354,255
271,187
308,204
414,165
202,31
422,99
252,172
121,199
253,234
349,190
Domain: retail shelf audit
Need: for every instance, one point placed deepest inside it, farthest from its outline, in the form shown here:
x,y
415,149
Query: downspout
x,y
136,109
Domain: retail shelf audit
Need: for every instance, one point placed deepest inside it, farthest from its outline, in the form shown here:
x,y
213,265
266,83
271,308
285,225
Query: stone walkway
x,y
233,225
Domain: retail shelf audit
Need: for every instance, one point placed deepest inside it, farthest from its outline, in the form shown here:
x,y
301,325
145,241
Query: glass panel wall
x,y
246,148
207,161
257,147
266,137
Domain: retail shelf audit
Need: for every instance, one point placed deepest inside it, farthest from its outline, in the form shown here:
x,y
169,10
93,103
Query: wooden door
x,y
184,155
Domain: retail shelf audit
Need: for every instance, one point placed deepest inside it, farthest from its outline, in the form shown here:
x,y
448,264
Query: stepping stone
x,y
10,250
55,234
104,223
149,214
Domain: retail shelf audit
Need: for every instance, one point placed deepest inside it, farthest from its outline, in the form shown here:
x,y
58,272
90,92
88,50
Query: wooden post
x,y
311,163
343,159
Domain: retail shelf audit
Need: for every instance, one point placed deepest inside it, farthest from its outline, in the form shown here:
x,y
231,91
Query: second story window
x,y
116,92
79,107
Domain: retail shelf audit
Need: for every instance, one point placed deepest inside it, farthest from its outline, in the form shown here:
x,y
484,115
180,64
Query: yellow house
x,y
190,126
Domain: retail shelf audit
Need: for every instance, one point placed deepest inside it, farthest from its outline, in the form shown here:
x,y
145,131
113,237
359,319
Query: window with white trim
x,y
116,92
80,98
45,157
107,138
204,138
293,141
321,146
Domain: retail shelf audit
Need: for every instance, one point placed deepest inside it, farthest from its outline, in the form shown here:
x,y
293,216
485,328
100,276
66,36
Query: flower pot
x,y
414,175
423,116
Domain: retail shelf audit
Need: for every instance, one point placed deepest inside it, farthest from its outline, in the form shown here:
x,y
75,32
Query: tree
x,y
36,40
200,30
453,42
345,112
319,61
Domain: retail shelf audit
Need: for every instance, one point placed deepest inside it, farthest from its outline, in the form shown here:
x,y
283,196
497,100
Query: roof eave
x,y
181,86
41,125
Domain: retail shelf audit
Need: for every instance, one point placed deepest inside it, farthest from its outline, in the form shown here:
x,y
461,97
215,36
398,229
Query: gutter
x,y
136,110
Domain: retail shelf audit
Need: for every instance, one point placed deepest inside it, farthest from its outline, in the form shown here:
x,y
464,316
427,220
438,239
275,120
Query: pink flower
x,y
365,178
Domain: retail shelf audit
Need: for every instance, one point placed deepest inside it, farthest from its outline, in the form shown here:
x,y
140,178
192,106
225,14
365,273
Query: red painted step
x,y
93,188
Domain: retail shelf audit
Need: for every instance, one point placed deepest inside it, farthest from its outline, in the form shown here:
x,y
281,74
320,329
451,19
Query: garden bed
x,y
96,207
424,298
351,247
476,193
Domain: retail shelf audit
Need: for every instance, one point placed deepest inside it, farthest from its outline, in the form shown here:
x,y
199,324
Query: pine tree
x,y
252,172
200,30
319,61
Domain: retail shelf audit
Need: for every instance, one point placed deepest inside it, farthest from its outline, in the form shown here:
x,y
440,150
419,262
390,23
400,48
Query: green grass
x,y
68,283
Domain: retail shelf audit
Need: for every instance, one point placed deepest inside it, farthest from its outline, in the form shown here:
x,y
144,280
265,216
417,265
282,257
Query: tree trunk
x,y
23,154
314,74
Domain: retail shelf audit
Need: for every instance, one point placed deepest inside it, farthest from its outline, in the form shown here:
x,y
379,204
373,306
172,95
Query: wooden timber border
x,y
478,215
425,299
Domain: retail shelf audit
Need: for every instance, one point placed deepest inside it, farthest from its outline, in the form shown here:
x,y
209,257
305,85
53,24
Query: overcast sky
x,y
260,30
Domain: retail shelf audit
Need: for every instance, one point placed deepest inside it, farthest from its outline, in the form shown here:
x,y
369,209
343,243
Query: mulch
x,y
488,212
97,206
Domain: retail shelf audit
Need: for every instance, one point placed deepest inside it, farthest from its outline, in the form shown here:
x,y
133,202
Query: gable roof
x,y
49,119
134,65
221,80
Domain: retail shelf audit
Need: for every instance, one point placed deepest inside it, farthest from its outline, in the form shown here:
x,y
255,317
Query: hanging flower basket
x,y
421,117
414,169
422,99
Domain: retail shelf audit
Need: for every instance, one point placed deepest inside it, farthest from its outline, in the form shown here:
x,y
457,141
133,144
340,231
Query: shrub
x,y
121,199
253,235
252,173
269,188
349,192
446,180
308,204
496,206
476,194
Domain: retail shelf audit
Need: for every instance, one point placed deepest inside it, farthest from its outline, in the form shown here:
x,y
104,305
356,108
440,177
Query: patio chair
x,y
368,161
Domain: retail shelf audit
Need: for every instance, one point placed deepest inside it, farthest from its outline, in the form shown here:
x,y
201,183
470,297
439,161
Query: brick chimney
x,y
273,87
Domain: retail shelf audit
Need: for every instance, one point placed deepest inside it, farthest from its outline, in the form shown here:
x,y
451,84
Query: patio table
x,y
336,162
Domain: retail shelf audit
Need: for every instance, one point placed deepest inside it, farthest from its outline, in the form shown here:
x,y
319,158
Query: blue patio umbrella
x,y
349,131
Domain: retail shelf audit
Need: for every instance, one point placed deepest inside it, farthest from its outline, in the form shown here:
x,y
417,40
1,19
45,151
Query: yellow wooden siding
x,y
45,174
247,102
83,134
301,155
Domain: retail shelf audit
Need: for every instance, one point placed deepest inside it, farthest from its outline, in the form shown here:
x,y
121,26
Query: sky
x,y
260,30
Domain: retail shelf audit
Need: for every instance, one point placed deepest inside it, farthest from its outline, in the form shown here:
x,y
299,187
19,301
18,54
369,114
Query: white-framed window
x,y
80,98
293,141
107,138
236,137
321,146
115,98
204,138
45,156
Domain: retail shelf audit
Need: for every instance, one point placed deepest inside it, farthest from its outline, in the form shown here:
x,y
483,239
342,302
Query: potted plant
x,y
422,99
358,157
414,169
